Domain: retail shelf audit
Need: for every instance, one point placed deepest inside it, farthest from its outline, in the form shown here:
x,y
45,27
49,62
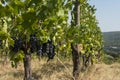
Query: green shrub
x,y
107,59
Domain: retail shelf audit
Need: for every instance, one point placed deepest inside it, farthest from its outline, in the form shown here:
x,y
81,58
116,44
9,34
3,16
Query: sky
x,y
108,14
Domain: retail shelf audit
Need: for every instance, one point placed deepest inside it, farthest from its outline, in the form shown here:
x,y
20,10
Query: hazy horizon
x,y
108,14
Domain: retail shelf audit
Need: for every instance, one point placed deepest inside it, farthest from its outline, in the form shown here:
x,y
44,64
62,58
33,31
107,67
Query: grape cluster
x,y
0,42
33,43
18,45
46,49
41,49
51,50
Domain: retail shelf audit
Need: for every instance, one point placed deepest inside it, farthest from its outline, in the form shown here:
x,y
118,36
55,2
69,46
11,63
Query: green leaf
x,y
3,35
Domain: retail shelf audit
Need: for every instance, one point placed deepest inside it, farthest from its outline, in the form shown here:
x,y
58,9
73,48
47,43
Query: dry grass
x,y
60,70
53,70
103,72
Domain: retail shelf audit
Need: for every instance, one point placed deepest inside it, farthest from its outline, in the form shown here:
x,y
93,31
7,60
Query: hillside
x,y
55,70
112,42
